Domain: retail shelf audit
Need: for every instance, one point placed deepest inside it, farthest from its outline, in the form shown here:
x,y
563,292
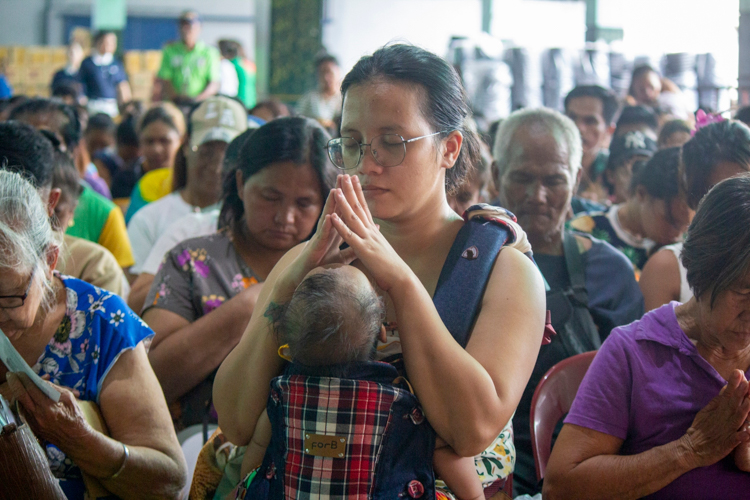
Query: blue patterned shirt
x,y
97,327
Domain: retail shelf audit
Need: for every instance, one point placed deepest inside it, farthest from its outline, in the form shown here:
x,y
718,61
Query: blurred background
x,y
511,53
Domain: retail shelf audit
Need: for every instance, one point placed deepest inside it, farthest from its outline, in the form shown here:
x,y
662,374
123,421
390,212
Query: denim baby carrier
x,y
357,431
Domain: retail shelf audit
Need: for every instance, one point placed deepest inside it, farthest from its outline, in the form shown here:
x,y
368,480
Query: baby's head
x,y
334,317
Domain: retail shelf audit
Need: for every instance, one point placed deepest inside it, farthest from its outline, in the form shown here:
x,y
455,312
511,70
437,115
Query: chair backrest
x,y
552,399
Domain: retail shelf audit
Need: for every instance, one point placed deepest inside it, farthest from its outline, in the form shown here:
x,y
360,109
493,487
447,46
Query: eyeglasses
x,y
14,301
389,150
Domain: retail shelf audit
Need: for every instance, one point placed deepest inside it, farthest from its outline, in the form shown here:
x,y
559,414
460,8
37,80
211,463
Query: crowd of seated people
x,y
146,261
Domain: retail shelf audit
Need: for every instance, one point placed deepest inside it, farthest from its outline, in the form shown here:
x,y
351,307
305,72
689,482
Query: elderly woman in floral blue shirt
x,y
89,344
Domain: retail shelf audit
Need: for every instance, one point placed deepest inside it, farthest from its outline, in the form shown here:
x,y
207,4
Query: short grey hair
x,y
559,125
26,234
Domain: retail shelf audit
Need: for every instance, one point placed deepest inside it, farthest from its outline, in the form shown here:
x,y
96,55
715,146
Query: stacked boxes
x,y
29,70
141,67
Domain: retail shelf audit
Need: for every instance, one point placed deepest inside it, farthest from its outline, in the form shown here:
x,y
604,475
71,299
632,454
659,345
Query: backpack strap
x,y
576,268
463,279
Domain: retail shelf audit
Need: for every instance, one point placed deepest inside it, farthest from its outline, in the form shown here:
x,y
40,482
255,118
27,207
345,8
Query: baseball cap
x,y
218,118
628,145
189,16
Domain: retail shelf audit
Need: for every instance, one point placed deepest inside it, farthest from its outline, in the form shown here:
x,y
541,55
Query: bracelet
x,y
124,461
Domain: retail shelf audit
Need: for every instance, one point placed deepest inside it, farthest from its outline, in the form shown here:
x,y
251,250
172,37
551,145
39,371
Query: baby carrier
x,y
357,431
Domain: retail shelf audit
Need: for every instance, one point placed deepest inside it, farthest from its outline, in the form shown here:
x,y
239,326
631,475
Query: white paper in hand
x,y
15,363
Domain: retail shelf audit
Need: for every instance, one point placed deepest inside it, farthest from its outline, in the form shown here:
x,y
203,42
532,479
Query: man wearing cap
x,y
211,127
190,69
624,151
612,225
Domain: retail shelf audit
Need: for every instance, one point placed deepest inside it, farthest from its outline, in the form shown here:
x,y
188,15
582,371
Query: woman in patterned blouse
x,y
88,343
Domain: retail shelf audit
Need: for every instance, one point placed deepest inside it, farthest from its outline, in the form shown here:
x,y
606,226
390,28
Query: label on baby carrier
x,y
321,445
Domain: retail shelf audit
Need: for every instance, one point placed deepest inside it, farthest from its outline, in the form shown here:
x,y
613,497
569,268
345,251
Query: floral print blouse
x,y
195,277
97,327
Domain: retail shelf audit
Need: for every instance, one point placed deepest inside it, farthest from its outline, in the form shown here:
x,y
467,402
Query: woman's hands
x,y
353,222
322,249
61,423
720,427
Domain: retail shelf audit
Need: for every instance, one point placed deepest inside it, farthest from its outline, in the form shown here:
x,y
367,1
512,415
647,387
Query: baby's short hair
x,y
328,320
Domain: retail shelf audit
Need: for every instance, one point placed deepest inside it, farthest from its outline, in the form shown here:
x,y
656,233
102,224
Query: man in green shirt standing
x,y
189,68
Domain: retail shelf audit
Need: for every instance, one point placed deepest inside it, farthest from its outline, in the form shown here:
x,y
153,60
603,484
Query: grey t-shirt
x,y
198,275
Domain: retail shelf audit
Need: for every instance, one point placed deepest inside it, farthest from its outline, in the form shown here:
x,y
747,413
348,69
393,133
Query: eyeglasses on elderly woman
x,y
15,301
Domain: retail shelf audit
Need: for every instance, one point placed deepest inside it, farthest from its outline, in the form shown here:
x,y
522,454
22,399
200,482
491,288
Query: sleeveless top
x,y
498,460
685,292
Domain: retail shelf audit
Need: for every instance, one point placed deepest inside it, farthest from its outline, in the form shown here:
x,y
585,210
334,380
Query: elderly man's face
x,y
538,184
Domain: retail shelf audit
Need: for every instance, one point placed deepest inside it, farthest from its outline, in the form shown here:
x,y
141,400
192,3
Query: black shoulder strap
x,y
576,267
464,276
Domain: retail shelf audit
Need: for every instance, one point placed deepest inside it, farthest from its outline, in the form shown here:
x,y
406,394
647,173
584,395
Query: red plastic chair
x,y
552,399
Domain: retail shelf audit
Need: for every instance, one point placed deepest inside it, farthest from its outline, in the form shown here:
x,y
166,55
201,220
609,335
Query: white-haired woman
x,y
590,285
88,343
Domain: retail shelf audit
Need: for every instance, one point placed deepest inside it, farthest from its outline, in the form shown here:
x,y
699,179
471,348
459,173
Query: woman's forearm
x,y
186,357
255,358
147,473
621,477
457,393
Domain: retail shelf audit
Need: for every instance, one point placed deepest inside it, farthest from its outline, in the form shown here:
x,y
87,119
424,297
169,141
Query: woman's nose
x,y
367,163
285,215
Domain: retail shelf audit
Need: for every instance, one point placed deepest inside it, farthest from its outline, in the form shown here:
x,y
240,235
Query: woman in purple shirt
x,y
663,412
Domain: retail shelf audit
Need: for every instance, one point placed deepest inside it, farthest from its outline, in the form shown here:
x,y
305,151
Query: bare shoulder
x,y
515,286
660,279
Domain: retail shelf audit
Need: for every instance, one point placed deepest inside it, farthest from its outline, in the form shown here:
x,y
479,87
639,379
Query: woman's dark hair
x,y
99,36
166,113
232,153
70,129
716,253
637,115
325,58
64,90
743,115
660,175
25,150
727,141
296,139
277,108
229,49
610,104
639,71
126,133
672,127
65,176
445,104
103,122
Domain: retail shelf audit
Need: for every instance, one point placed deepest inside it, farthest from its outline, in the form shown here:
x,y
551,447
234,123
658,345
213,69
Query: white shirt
x,y
189,226
629,238
229,81
152,221
685,292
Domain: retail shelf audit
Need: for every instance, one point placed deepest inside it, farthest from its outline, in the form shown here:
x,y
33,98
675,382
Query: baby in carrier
x,y
338,424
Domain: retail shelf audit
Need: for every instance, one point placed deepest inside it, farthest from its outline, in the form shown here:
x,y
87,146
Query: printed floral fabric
x,y
199,275
97,327
195,277
494,463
